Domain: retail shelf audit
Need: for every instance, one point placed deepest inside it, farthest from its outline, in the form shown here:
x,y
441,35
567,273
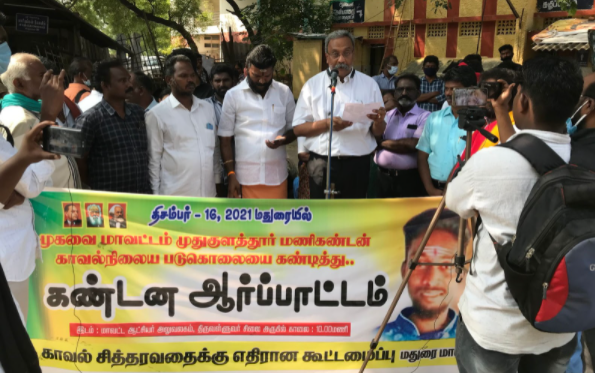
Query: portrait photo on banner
x,y
117,215
72,215
94,214
433,292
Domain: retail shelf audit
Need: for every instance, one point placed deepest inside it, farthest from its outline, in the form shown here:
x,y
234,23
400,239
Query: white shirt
x,y
93,99
314,104
496,182
19,245
183,157
19,121
151,105
252,119
70,122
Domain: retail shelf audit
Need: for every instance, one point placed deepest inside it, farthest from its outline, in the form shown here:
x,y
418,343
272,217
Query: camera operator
x,y
493,335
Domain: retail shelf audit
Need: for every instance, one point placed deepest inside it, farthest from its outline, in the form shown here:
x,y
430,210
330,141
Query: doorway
x,y
376,57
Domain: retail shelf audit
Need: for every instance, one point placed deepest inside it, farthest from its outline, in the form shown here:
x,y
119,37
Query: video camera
x,y
471,104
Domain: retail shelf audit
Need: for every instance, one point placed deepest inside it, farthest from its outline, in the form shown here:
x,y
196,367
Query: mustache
x,y
342,66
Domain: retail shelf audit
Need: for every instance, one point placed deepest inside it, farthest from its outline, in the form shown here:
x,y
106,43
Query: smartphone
x,y
465,97
494,89
65,141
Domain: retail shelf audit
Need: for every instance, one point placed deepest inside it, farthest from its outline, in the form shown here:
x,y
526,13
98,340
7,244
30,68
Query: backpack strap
x,y
536,152
77,98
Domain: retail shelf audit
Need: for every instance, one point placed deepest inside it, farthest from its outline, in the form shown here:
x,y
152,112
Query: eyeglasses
x,y
345,54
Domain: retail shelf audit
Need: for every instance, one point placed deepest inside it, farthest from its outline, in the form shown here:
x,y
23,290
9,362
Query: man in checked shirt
x,y
115,136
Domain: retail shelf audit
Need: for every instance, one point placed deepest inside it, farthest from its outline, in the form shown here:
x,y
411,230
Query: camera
x,y
469,97
65,141
494,89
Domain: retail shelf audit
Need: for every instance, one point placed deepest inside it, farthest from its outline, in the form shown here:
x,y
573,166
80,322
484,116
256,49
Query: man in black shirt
x,y
115,136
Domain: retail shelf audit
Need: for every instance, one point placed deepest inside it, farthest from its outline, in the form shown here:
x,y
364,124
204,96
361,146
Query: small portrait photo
x,y
117,215
72,214
94,213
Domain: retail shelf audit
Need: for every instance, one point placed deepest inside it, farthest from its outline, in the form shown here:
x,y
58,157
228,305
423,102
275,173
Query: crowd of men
x,y
224,133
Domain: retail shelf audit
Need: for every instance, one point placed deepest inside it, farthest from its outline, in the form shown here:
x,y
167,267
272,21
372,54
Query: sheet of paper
x,y
358,113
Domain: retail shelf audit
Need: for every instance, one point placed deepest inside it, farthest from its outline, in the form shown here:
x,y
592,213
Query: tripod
x,y
470,120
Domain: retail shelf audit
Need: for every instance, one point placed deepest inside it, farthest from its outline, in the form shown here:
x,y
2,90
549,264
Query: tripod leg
x,y
460,257
393,305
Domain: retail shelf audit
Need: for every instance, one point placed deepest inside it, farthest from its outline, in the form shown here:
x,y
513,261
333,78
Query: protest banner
x,y
134,283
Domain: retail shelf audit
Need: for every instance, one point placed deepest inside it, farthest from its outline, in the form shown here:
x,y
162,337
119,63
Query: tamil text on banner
x,y
132,283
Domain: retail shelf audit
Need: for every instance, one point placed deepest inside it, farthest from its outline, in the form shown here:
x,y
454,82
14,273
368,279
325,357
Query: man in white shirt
x,y
21,109
96,94
353,143
257,114
181,130
142,93
493,335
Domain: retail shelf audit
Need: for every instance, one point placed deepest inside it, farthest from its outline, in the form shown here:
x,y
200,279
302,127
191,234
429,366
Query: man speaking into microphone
x,y
352,143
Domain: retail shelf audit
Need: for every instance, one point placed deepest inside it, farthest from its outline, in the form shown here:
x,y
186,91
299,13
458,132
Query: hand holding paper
x,y
358,113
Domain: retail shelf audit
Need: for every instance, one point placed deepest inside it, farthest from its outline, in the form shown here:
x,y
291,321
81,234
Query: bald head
x,y
24,75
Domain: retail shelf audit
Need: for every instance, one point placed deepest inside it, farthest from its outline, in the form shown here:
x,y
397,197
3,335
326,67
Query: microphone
x,y
334,76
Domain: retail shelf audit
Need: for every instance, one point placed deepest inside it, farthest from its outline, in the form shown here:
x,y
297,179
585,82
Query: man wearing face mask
x,y
397,157
506,55
80,70
432,87
352,143
257,115
386,79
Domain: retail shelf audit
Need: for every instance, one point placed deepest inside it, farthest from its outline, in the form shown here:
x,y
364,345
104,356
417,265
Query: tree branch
x,y
162,21
238,13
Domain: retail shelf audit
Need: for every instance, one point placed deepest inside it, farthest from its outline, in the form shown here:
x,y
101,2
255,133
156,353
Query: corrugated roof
x,y
561,46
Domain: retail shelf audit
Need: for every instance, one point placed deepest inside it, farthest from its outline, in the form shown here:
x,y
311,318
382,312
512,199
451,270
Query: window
x,y
436,30
207,37
376,32
506,27
214,37
208,45
469,28
215,46
349,30
406,31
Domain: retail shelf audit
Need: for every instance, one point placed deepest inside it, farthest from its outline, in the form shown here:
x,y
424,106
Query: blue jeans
x,y
472,358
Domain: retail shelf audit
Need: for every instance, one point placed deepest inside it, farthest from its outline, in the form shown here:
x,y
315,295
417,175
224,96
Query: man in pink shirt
x,y
397,156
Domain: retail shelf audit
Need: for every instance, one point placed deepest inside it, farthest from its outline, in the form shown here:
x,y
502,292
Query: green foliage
x,y
111,17
274,19
568,6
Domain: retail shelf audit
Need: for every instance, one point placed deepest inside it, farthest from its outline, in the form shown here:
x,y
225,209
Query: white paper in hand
x,y
358,113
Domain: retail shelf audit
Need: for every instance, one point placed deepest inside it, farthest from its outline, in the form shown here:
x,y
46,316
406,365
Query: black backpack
x,y
550,264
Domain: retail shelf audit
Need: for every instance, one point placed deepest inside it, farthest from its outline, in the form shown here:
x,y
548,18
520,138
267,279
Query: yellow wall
x,y
466,45
470,8
435,46
307,62
500,40
407,10
361,57
433,12
374,11
503,7
404,51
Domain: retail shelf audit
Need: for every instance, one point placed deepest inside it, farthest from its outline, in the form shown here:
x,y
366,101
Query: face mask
x,y
393,70
87,82
571,123
430,71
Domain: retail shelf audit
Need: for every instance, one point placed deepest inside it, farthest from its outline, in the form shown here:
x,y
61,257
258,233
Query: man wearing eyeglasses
x,y
352,143
396,156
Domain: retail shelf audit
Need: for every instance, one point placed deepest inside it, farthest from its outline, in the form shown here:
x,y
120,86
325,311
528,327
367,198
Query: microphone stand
x,y
330,192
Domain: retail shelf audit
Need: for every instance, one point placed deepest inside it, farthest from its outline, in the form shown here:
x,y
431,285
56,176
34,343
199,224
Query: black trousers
x,y
349,174
406,183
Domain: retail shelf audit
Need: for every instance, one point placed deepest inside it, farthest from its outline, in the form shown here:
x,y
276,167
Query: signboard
x,y
133,283
32,23
348,11
553,6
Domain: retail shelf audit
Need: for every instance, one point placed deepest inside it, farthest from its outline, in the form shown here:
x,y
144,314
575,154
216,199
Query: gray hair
x,y
337,35
17,69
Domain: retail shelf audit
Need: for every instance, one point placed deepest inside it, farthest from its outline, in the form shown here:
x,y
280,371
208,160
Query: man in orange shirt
x,y
80,71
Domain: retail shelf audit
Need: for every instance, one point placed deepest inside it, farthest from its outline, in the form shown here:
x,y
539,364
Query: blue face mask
x,y
393,70
569,127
